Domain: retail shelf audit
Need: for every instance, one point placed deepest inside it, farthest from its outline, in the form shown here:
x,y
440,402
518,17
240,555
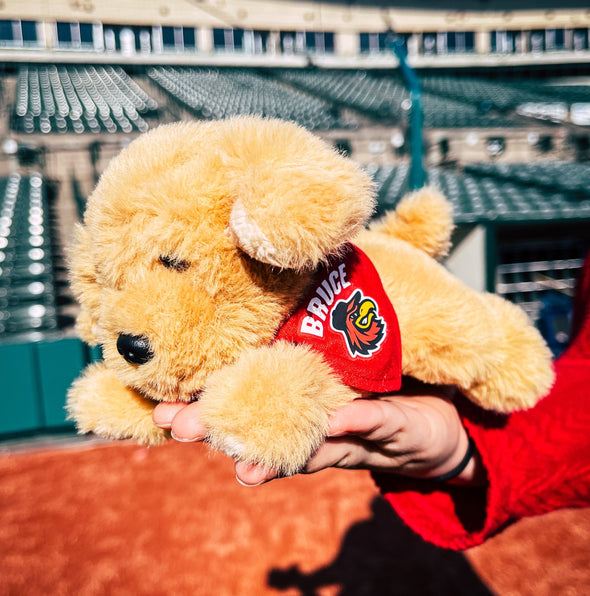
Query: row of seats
x,y
569,177
445,112
97,98
79,99
32,272
478,196
214,94
568,93
387,98
502,95
377,96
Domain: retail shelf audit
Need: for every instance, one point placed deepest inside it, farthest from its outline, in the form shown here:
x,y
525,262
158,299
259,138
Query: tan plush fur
x,y
246,209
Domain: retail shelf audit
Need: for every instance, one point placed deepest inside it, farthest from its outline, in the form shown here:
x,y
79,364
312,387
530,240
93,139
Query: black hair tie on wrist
x,y
459,467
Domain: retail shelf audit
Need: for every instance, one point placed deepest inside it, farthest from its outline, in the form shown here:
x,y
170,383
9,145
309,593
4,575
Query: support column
x,y
98,37
414,44
347,44
482,42
273,44
49,35
204,40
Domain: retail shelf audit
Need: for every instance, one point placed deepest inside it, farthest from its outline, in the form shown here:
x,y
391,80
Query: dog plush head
x,y
200,238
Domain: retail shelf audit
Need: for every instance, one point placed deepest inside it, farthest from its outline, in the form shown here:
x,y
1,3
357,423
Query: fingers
x,y
183,420
253,475
337,453
376,434
353,428
371,419
333,453
164,412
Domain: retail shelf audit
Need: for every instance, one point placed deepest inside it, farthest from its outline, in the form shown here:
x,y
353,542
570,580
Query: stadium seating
x,y
445,112
569,93
31,267
539,274
375,96
489,193
213,94
505,96
572,178
97,99
386,98
79,99
486,93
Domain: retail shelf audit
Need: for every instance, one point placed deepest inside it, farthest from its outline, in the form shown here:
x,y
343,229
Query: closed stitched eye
x,y
174,263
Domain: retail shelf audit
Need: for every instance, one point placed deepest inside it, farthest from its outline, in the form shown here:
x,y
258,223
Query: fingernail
x,y
162,420
181,440
334,431
248,485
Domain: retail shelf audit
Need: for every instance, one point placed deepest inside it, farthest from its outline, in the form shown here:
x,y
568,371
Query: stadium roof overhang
x,y
461,5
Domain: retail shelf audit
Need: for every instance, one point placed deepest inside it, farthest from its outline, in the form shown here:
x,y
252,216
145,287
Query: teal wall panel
x,y
34,380
60,362
94,353
20,403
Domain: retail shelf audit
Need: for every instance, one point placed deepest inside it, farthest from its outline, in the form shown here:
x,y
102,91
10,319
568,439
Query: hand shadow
x,y
381,556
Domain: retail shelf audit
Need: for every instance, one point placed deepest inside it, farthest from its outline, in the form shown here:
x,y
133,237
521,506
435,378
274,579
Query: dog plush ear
x,y
84,285
296,200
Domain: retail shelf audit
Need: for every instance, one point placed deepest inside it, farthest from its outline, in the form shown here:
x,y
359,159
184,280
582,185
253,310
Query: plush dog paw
x,y
522,371
272,406
99,402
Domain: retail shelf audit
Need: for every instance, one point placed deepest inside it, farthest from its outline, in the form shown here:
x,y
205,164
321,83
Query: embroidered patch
x,y
348,317
359,322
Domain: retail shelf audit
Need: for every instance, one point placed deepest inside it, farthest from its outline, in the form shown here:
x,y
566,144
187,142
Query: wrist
x,y
474,473
455,471
449,445
464,466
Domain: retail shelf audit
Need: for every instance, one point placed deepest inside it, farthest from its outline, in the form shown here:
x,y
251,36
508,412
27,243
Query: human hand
x,y
413,434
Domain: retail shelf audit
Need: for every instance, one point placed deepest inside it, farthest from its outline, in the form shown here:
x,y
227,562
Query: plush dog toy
x,y
229,262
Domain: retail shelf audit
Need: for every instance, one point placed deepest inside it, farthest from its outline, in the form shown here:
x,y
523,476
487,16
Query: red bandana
x,y
349,319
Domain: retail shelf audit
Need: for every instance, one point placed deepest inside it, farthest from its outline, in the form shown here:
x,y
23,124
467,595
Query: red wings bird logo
x,y
358,320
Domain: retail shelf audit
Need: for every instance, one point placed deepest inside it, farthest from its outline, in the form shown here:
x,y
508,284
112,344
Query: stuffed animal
x,y
229,262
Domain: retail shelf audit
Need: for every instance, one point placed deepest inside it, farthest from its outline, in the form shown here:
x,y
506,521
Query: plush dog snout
x,y
134,348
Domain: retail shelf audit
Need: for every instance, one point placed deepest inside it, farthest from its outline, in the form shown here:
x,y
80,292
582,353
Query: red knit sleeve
x,y
537,461
580,336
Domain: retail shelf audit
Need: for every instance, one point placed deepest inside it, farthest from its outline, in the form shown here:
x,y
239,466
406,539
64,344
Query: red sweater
x,y
536,461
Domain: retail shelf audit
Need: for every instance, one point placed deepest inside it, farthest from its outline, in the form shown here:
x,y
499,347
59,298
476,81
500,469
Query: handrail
x,y
417,174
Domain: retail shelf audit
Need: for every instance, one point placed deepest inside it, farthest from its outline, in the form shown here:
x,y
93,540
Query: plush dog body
x,y
202,238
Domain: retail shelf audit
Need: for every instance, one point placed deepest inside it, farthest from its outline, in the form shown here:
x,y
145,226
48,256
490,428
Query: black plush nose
x,y
134,348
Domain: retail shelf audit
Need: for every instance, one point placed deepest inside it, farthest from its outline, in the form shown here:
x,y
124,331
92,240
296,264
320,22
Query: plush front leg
x,y
98,402
272,406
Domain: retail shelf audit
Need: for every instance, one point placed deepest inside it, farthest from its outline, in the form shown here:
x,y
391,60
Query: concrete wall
x,y
468,258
